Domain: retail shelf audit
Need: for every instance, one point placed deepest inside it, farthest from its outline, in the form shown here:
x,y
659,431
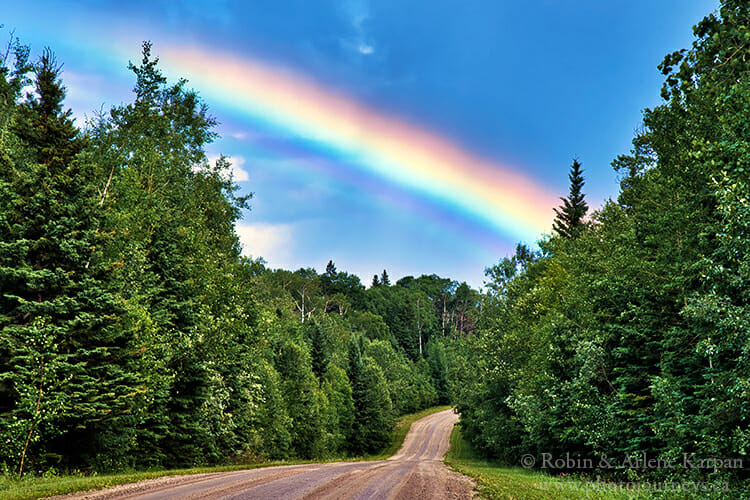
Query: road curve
x,y
415,472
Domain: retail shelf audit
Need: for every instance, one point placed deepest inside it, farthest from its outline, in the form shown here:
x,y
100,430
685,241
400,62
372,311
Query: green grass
x,y
496,482
30,487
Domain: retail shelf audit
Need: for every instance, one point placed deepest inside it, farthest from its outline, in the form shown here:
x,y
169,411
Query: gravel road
x,y
415,472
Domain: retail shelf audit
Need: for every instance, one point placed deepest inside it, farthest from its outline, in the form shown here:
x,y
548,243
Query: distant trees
x,y
345,290
384,279
302,394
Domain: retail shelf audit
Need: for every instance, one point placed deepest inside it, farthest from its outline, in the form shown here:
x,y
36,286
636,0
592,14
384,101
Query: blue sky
x,y
526,84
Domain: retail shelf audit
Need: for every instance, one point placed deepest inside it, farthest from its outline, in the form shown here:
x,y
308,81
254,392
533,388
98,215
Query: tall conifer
x,y
569,217
384,279
57,315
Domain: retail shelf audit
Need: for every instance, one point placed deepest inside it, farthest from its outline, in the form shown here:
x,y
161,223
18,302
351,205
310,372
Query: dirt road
x,y
415,472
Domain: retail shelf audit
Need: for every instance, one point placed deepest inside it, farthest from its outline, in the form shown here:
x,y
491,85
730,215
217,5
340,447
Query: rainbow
x,y
389,148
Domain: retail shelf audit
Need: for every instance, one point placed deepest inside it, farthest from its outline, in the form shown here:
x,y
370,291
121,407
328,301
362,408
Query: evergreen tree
x,y
274,426
318,349
438,370
57,313
373,409
302,397
375,281
331,269
569,217
384,279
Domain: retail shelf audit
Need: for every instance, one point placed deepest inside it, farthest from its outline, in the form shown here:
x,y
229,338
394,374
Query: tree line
x,y
134,334
132,331
628,332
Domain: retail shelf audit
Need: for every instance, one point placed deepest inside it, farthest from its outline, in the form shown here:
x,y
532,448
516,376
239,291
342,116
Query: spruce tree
x,y
327,279
569,217
373,408
384,279
318,349
57,316
301,393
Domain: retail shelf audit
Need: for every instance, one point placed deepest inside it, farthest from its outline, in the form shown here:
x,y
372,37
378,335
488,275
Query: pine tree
x,y
373,408
569,217
384,279
318,351
327,279
57,315
375,280
302,397
331,269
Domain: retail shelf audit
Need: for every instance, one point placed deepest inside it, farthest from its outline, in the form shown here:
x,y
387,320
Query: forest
x,y
628,331
134,334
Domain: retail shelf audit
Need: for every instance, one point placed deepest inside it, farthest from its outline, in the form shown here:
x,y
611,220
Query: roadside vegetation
x,y
134,336
133,333
626,334
499,482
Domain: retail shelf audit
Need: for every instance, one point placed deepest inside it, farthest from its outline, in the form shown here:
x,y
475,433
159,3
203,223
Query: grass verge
x,y
30,487
506,483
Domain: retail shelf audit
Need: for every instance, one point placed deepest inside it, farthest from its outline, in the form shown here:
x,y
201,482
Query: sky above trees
x,y
423,137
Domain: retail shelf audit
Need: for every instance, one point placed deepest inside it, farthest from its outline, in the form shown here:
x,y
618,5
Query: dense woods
x,y
631,335
133,332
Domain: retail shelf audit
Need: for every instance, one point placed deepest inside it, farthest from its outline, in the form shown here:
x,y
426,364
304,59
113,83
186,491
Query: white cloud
x,y
273,242
239,174
358,12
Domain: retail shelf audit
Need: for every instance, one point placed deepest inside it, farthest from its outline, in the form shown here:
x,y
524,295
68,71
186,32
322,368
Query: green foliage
x,y
341,285
57,311
632,337
569,217
272,429
408,384
438,370
340,417
318,349
370,325
373,409
303,399
132,332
